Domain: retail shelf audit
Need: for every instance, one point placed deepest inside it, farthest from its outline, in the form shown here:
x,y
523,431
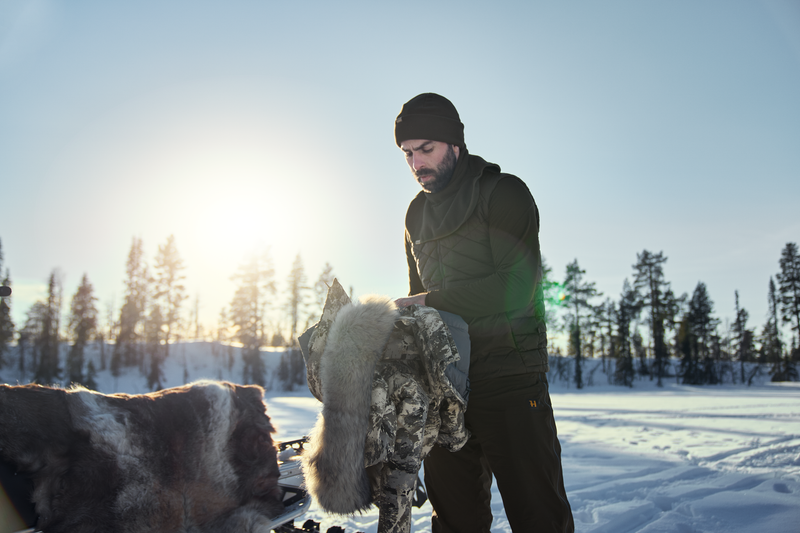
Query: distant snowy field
x,y
675,459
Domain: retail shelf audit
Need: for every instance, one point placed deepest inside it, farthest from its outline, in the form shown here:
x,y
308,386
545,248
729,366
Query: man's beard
x,y
441,174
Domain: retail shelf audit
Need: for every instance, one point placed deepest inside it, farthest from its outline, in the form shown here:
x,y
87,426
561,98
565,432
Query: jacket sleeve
x,y
414,282
514,241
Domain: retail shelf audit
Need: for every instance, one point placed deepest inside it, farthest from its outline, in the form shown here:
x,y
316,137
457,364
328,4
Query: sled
x,y
296,500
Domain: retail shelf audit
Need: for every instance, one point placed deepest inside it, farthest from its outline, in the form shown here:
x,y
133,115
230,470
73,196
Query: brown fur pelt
x,y
197,458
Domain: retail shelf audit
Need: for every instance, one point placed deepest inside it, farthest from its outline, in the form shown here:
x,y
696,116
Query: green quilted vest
x,y
504,344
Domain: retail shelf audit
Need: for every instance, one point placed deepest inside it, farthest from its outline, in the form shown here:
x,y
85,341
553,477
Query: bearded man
x,y
472,245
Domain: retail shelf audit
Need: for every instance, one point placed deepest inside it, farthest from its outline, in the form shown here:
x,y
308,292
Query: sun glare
x,y
234,222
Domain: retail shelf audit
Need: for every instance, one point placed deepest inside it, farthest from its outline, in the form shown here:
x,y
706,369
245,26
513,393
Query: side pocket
x,y
538,399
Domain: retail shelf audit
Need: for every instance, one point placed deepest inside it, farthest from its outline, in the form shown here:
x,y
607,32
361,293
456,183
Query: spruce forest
x,y
645,332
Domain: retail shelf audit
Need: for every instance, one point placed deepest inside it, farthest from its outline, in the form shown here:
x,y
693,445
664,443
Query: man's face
x,y
431,162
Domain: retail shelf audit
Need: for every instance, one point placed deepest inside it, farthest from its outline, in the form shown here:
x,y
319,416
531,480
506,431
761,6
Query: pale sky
x,y
670,126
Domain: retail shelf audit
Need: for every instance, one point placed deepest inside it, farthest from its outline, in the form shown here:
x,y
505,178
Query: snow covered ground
x,y
673,459
682,459
678,459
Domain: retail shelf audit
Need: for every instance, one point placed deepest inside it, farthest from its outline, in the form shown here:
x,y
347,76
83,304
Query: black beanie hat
x,y
429,116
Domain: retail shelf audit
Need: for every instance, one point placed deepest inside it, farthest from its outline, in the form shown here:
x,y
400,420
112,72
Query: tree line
x,y
680,329
153,316
684,338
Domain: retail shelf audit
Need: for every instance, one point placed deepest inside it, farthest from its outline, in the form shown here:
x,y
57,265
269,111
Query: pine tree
x,y
48,369
82,325
715,367
591,329
247,313
127,350
225,349
296,303
606,319
6,322
284,372
786,303
91,376
640,352
291,370
222,327
155,346
627,311
108,333
743,338
674,307
169,289
789,290
578,293
684,345
30,337
195,319
702,326
657,296
771,345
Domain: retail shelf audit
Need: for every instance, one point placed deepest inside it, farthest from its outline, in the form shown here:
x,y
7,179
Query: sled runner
x,y
296,499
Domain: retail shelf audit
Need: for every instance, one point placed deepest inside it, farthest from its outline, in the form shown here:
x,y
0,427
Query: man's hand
x,y
418,299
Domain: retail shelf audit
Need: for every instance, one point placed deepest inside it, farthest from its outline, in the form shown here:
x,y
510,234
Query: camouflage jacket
x,y
413,405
